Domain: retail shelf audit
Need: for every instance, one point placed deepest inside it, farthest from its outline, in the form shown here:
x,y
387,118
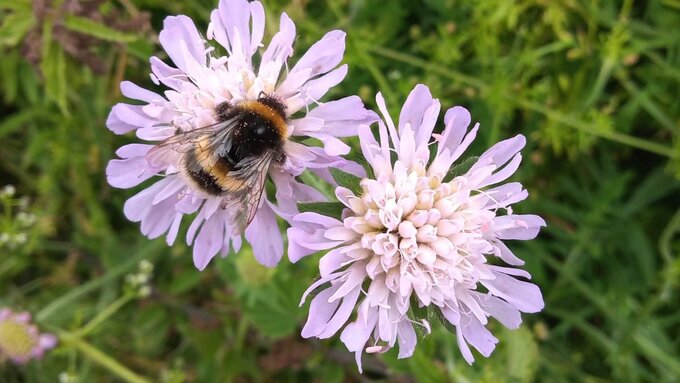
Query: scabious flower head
x,y
417,237
202,80
20,340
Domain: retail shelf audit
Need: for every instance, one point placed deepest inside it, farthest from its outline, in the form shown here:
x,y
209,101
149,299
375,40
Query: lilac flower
x,y
20,340
203,79
417,235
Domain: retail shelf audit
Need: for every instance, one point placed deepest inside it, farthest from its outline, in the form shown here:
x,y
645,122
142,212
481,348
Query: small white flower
x,y
8,191
25,219
20,238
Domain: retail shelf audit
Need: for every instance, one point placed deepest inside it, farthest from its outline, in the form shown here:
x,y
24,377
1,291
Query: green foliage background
x,y
594,85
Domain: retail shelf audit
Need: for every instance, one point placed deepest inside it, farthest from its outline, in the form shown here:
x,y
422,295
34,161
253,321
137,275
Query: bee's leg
x,y
222,111
280,158
225,202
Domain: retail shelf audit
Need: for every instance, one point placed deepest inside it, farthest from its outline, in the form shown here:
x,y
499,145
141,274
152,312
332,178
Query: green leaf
x,y
15,5
347,180
447,325
141,49
275,312
53,68
329,209
17,121
418,313
357,156
460,168
15,27
92,28
522,354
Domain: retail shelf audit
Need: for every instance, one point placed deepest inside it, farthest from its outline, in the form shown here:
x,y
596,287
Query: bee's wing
x,y
211,138
252,171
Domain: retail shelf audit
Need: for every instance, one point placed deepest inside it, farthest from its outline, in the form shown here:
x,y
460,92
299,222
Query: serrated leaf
x,y
460,168
92,28
329,209
347,180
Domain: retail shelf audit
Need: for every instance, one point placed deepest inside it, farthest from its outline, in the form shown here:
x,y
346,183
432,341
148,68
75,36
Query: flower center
x,y
420,229
15,340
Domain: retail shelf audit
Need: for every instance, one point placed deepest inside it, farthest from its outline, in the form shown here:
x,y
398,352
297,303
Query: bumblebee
x,y
231,158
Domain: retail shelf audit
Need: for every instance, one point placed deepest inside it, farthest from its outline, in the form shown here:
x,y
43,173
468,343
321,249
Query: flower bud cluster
x,y
140,282
15,222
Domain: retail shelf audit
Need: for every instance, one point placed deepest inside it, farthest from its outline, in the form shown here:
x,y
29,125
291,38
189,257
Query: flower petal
x,y
407,339
503,311
420,112
341,316
129,171
477,335
321,57
264,236
135,92
514,226
456,121
523,295
342,117
230,27
208,241
279,49
180,39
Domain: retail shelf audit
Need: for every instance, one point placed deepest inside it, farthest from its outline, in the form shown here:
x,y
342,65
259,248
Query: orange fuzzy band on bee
x,y
217,170
224,180
270,114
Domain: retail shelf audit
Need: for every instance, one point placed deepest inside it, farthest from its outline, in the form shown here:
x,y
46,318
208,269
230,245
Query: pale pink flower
x,y
203,79
20,340
416,235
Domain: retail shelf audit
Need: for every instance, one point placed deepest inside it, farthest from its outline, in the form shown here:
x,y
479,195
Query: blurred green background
x,y
594,85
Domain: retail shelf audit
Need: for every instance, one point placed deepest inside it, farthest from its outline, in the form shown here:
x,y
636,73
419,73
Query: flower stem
x,y
148,251
97,356
105,314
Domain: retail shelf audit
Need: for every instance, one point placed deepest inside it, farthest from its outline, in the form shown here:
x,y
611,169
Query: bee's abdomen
x,y
206,181
201,175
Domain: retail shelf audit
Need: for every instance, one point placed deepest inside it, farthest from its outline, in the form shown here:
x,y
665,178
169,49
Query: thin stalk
x,y
622,138
146,252
368,63
97,356
105,314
